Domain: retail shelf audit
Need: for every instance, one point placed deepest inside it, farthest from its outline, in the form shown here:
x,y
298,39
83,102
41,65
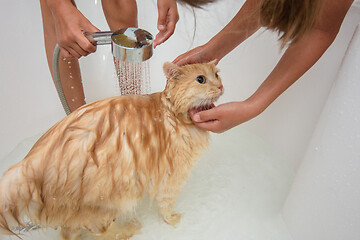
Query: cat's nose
x,y
221,87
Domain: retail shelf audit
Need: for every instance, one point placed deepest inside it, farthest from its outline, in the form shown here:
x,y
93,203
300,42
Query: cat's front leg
x,y
166,198
70,234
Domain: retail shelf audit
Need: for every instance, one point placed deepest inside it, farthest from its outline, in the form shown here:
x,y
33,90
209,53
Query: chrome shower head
x,y
127,44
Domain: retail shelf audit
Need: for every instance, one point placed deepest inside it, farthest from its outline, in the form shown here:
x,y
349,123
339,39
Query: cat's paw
x,y
67,234
172,218
121,231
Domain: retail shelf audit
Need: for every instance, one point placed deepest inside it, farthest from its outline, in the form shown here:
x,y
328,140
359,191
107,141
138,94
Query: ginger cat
x,y
96,163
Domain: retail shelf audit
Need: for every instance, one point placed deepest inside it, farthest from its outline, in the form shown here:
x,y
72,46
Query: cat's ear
x,y
215,62
171,70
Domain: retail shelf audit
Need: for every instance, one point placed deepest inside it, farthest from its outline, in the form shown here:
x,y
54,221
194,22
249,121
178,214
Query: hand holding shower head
x,y
132,45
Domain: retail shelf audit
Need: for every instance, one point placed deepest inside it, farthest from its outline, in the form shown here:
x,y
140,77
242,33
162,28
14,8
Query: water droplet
x,y
73,100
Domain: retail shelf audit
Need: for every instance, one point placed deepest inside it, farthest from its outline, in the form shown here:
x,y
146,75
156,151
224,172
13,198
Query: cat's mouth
x,y
202,108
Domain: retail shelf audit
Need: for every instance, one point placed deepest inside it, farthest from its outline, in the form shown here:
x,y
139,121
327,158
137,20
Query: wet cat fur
x,y
96,163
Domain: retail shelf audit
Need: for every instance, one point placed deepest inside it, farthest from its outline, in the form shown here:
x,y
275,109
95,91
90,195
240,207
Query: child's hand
x,y
70,26
205,53
223,117
167,19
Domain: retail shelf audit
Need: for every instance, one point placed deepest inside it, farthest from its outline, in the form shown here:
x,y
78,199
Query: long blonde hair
x,y
290,18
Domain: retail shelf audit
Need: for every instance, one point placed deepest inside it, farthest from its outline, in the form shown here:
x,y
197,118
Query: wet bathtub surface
x,y
235,192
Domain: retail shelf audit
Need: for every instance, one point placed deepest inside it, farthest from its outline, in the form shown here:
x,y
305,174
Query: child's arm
x,y
297,59
242,26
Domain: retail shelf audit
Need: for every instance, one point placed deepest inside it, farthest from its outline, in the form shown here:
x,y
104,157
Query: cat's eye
x,y
201,79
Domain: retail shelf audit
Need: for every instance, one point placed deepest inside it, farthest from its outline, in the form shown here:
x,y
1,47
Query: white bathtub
x,y
291,173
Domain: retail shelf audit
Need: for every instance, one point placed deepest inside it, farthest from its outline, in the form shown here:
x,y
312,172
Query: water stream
x,y
133,78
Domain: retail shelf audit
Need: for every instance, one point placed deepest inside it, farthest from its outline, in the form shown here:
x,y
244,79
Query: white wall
x,y
28,100
324,202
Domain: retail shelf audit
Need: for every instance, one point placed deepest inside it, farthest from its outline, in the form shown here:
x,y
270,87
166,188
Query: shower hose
x,y
57,80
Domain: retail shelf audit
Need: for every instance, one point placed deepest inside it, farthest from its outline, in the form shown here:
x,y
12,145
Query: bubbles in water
x,y
134,78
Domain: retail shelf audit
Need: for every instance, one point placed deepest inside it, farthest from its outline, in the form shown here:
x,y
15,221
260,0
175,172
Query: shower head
x,y
127,44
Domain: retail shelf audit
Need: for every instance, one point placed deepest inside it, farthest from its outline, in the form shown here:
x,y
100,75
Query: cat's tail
x,y
18,201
